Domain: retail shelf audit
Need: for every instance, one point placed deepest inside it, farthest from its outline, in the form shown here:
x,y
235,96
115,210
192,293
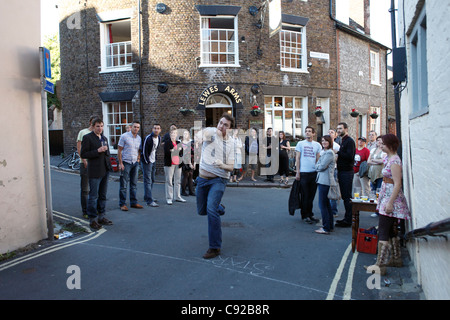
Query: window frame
x,y
299,104
107,123
208,64
375,69
103,48
419,68
304,53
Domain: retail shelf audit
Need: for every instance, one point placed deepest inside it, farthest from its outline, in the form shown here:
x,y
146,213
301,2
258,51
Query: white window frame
x,y
302,52
299,104
104,44
204,33
419,68
117,119
375,75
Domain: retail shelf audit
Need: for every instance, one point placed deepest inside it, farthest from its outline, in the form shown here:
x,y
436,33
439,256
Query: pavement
x,y
267,256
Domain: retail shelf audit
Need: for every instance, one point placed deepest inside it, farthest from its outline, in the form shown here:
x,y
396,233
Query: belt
x,y
388,180
207,178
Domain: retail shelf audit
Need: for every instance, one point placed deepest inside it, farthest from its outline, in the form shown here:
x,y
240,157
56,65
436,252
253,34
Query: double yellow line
x,y
90,236
348,286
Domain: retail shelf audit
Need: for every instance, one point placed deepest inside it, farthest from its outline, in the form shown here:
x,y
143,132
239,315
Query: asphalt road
x,y
156,253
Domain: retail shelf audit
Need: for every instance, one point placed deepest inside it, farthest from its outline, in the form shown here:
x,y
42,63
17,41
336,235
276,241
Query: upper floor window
x,y
375,67
219,45
419,67
116,46
293,54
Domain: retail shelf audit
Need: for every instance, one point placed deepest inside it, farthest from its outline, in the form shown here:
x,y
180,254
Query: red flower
x,y
255,107
319,108
353,110
374,112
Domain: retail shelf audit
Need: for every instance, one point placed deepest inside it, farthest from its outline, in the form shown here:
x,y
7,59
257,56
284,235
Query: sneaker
x,y
153,204
211,253
181,200
314,219
169,202
308,220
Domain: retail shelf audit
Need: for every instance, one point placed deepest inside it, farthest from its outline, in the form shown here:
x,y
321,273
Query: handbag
x,y
335,192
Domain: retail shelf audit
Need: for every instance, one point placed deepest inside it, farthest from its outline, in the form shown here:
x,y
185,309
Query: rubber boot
x,y
396,260
382,257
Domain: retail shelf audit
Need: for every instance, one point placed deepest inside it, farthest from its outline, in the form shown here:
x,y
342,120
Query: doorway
x,y
215,107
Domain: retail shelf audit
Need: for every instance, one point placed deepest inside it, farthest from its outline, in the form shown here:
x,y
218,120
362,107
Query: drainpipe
x,y
396,85
141,111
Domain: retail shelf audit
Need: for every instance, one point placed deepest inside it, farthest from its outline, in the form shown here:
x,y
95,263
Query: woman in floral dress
x,y
391,205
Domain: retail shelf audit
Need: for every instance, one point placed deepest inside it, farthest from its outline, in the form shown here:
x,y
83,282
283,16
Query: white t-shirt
x,y
308,155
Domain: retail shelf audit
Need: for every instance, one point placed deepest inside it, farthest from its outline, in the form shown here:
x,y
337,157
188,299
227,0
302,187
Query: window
x,y
375,68
219,46
118,115
293,48
285,114
419,67
116,46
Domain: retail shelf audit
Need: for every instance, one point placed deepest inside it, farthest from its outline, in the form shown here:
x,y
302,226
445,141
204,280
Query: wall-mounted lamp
x,y
242,39
163,87
161,8
253,10
309,64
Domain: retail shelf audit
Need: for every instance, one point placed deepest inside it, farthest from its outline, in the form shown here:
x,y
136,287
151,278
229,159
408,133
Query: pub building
x,y
184,61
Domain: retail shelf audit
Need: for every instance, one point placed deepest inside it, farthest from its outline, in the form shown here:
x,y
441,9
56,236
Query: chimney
x,y
367,17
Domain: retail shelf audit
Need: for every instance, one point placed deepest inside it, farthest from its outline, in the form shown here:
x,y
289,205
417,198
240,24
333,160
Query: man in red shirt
x,y
362,154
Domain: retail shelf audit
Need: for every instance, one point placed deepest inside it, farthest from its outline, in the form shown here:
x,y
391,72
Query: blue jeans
x,y
128,174
209,195
325,207
98,187
149,171
346,185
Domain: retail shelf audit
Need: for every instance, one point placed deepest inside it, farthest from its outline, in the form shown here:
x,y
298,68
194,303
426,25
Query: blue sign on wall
x,y
49,87
47,64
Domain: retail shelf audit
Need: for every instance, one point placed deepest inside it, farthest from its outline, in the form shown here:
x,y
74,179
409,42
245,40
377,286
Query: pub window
x,y
293,48
286,114
116,46
219,46
117,116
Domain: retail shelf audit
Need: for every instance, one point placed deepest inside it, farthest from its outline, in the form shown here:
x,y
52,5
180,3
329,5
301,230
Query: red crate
x,y
366,242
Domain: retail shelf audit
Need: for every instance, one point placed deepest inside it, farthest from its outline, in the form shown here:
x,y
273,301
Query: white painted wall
x,y
425,151
22,197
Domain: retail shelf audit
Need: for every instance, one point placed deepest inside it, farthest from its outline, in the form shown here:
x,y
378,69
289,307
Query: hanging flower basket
x,y
319,112
256,110
185,112
354,113
374,115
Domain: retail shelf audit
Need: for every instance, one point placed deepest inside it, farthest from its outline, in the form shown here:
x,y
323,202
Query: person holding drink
x,y
94,147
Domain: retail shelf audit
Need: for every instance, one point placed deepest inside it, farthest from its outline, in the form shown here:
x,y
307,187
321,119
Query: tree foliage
x,y
52,43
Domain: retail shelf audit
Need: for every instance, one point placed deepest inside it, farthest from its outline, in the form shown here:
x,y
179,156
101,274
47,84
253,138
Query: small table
x,y
358,206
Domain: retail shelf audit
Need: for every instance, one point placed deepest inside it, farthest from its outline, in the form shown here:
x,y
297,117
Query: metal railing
x,y
434,229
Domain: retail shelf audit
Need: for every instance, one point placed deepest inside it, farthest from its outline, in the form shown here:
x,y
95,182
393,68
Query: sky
x,y
380,20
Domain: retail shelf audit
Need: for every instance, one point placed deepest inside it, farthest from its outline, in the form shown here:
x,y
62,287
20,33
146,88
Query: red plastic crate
x,y
366,242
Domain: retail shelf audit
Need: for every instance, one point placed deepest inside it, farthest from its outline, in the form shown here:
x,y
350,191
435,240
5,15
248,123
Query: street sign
x,y
49,87
47,63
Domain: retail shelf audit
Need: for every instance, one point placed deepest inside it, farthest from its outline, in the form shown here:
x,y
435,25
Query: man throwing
x,y
216,163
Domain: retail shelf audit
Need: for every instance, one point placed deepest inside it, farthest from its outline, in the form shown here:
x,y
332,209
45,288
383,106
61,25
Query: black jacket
x,y
169,151
147,147
98,163
346,154
295,197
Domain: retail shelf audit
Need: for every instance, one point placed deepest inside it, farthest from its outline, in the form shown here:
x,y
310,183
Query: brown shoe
x,y
211,253
105,222
94,225
124,208
137,206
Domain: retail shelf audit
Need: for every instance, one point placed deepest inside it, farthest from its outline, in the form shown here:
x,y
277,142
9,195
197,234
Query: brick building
x,y
211,57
